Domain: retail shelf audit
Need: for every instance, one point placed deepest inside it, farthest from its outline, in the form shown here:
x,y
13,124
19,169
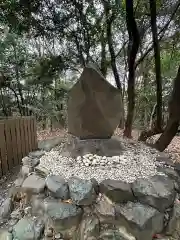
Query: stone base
x,y
102,147
45,206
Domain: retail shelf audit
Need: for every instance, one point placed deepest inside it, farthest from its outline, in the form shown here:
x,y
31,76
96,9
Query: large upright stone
x,y
94,106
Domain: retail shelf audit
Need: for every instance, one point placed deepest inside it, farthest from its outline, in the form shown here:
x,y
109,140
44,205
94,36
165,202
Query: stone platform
x,y
46,206
102,147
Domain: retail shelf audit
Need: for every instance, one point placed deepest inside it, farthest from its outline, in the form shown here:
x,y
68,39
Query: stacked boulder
x,y
42,205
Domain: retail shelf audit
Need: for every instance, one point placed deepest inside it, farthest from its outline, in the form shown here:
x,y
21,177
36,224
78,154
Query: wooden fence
x,y
17,138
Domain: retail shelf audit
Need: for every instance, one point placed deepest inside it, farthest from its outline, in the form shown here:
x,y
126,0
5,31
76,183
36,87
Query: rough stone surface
x,y
157,191
58,187
165,159
25,171
93,94
173,227
28,229
99,215
34,183
93,149
140,220
117,191
177,167
37,204
48,144
81,191
42,171
89,228
115,235
105,210
171,173
30,162
36,154
6,208
64,215
95,185
16,214
19,181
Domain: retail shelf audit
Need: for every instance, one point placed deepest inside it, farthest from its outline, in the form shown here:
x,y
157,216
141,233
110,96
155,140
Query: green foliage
x,y
45,44
45,70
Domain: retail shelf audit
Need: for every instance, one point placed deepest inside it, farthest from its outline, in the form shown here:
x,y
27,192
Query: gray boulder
x,y
36,154
81,191
115,235
64,216
140,220
48,144
89,228
30,162
16,214
95,185
117,191
6,208
57,186
28,229
173,227
177,167
104,208
42,171
172,174
157,191
34,183
19,181
165,159
25,171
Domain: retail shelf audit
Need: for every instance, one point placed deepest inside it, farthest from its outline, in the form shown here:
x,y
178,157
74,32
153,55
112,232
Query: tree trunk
x,y
157,127
109,20
103,55
18,81
4,108
133,46
110,17
17,99
157,64
167,135
152,116
174,117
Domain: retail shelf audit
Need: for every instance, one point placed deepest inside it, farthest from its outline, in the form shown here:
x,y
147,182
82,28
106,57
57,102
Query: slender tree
x,y
110,17
158,124
133,46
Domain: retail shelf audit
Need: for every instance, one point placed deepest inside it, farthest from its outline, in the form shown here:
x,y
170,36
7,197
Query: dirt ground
x,y
6,182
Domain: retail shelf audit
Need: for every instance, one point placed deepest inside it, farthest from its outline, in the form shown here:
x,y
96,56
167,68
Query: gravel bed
x,y
137,161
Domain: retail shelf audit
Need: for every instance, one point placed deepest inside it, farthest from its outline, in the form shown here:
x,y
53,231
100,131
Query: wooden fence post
x,y
18,137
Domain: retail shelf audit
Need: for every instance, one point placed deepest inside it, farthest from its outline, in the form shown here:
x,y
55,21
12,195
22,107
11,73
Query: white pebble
x,y
137,161
78,158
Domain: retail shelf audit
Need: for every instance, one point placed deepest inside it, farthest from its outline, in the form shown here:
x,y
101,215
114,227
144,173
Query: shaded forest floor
x,y
173,149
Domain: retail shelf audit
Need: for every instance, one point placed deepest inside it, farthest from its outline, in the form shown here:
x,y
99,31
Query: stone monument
x,y
94,106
